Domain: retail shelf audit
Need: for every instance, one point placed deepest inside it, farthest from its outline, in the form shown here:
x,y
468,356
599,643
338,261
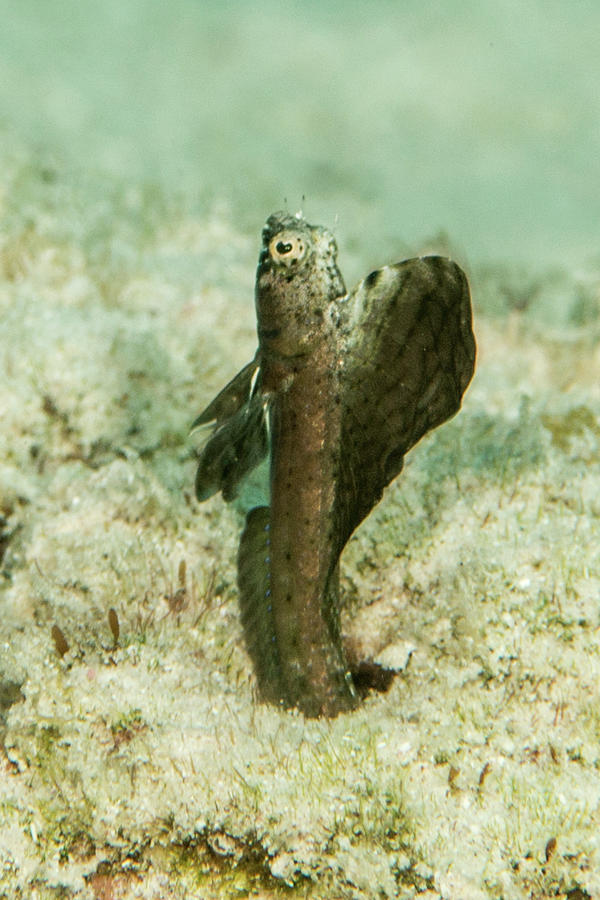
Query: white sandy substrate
x,y
148,768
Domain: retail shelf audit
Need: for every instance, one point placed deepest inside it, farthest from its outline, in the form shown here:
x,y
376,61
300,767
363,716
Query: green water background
x,y
390,121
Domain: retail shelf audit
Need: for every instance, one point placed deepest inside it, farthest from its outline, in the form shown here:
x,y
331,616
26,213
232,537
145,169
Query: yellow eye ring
x,y
286,248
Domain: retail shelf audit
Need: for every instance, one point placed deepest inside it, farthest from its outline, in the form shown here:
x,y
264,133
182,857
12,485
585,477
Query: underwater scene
x,y
164,733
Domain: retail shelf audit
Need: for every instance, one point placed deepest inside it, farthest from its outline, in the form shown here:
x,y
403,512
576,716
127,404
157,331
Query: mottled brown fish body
x,y
305,448
297,282
342,386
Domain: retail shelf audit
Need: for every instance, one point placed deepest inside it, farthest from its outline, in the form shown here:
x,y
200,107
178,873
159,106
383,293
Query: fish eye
x,y
287,249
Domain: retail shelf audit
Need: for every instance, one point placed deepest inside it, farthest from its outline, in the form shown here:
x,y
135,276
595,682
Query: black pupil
x,y
283,248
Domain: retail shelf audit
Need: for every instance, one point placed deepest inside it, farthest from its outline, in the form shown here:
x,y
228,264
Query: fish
x,y
341,387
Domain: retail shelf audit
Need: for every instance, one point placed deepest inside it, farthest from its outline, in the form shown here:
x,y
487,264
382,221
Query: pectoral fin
x,y
239,441
233,451
233,396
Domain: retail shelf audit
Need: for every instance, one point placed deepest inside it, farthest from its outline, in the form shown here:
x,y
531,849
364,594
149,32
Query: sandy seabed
x,y
140,763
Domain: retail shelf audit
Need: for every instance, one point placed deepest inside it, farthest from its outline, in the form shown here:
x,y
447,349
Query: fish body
x,y
341,387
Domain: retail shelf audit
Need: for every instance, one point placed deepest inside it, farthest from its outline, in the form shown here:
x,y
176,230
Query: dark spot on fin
x,y
372,278
254,584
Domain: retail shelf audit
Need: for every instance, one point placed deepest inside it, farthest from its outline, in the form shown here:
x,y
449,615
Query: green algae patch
x,y
576,430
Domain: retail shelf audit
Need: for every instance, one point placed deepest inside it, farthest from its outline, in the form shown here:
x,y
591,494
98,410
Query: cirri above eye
x,y
286,248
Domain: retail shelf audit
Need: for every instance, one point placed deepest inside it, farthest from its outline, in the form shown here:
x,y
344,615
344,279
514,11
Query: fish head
x,y
297,281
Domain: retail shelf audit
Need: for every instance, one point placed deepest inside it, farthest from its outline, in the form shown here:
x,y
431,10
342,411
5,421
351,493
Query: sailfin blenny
x,y
341,387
